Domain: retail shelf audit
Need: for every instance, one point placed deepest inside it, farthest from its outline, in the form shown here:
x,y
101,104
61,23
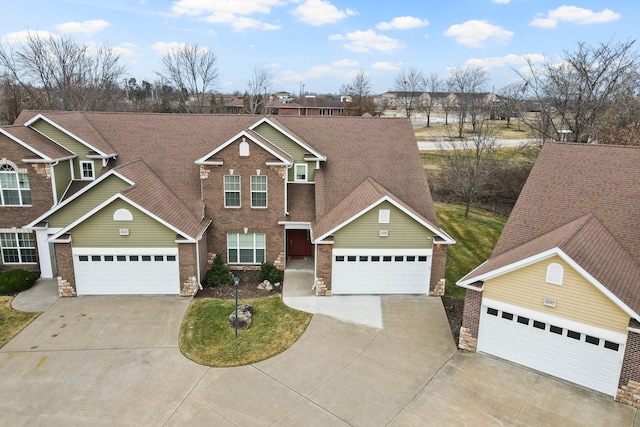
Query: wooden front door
x,y
299,243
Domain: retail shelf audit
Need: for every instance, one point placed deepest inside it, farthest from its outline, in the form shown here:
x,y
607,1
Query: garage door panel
x,y
127,274
560,355
379,272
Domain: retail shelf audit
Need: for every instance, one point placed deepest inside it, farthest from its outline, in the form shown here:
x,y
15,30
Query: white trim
x,y
293,225
61,159
61,129
188,239
266,191
366,251
78,194
44,254
225,191
244,134
295,172
439,233
125,251
541,257
25,145
562,322
93,170
288,135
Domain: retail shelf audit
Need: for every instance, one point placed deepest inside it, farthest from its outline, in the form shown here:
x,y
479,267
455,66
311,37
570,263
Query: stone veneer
x,y
66,276
629,383
470,320
438,264
323,274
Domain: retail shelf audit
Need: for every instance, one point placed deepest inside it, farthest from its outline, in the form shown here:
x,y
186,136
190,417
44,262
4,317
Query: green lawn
x,y
206,338
12,321
475,238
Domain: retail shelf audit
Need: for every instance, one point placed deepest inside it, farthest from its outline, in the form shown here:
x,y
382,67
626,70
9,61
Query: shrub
x,y
17,280
219,273
268,271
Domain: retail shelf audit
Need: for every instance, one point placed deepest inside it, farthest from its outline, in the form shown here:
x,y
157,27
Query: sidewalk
x,y
39,297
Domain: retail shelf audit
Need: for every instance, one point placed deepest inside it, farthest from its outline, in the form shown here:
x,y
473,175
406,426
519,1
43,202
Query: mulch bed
x,y
247,288
454,307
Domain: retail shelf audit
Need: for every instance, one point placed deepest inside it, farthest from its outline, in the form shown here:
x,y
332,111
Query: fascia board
x,y
46,158
288,135
203,161
71,134
80,193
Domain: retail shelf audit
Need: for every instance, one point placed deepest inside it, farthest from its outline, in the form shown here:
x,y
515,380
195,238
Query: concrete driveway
x,y
115,361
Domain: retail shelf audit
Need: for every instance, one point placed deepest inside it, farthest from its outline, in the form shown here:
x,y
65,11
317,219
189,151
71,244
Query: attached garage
x,y
582,354
381,271
111,271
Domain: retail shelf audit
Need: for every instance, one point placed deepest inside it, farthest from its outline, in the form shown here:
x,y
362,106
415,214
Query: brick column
x,y
323,273
470,320
66,275
188,269
629,384
438,264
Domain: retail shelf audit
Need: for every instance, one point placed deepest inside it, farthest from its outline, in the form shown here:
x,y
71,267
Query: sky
x,y
322,44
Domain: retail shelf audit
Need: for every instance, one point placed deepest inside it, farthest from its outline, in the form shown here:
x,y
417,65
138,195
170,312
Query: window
x,y
122,215
18,248
411,258
539,325
375,258
231,191
573,334
246,248
364,258
508,316
555,329
300,172
555,273
121,257
244,148
108,257
339,258
592,340
158,258
492,311
86,170
83,258
146,257
351,258
171,257
386,258
523,320
422,258
96,257
15,187
384,216
258,191
133,258
611,345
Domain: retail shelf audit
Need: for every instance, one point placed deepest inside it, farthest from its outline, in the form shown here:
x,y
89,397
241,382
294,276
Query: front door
x,y
299,243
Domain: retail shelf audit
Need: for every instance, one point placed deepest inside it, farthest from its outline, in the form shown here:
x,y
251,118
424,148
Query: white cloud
x,y
334,69
402,23
126,49
165,47
87,27
502,1
575,15
367,41
475,33
345,63
507,60
319,12
385,66
23,36
235,13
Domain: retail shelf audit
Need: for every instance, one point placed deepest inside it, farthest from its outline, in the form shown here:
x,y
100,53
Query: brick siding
x,y
470,320
323,273
438,264
188,269
629,384
66,275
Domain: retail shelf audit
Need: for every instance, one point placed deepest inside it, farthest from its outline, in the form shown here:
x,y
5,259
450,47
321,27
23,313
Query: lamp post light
x,y
236,282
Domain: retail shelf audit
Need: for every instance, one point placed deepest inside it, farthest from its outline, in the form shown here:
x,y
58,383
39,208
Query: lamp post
x,y
236,282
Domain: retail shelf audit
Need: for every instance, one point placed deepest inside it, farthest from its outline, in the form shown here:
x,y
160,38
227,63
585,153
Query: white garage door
x,y
591,357
375,271
134,271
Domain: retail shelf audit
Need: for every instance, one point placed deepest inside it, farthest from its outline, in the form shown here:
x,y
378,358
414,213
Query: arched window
x,y
244,148
555,273
122,215
14,186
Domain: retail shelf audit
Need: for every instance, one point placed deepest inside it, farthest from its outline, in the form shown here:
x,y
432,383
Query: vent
x,y
124,231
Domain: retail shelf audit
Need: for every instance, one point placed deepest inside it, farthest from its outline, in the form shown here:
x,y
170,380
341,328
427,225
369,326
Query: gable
x,y
402,231
101,230
576,299
87,201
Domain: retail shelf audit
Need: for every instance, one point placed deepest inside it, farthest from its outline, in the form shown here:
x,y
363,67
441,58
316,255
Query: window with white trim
x,y
301,170
86,170
18,248
247,248
384,216
555,273
15,187
231,191
258,191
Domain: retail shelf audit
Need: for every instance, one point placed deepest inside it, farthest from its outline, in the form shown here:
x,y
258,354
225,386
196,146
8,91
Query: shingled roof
x,y
583,200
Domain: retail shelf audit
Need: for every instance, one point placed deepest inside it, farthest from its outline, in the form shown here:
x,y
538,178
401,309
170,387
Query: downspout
x,y
286,191
198,253
53,183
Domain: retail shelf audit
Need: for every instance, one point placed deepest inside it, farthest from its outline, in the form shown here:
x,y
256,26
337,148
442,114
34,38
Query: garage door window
x,y
246,248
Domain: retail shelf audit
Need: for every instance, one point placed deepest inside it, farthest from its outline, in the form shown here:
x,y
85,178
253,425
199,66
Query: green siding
x,y
70,144
62,174
83,204
404,231
289,146
100,230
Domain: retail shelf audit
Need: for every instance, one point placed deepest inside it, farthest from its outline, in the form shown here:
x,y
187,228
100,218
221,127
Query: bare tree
x,y
360,91
579,93
510,102
467,83
192,70
259,85
59,73
409,83
433,85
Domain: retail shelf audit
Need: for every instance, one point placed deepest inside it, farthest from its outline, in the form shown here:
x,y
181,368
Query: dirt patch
x,y
247,289
454,307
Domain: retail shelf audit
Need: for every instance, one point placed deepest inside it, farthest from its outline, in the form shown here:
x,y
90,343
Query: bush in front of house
x,y
219,273
268,271
17,280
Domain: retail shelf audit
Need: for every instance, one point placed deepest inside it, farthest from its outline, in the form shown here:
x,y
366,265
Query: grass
x,y
475,239
205,337
12,321
440,131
